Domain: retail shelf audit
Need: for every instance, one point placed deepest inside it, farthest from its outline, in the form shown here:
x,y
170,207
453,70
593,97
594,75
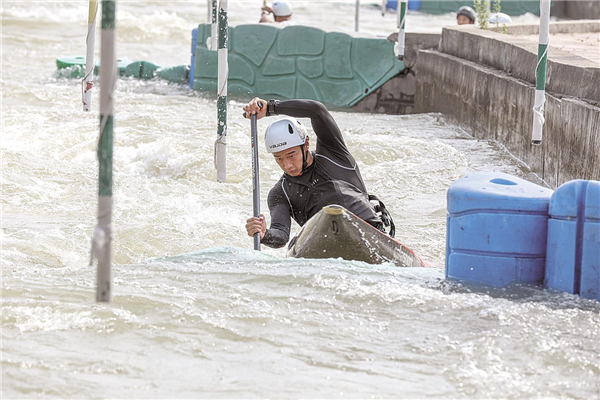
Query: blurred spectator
x,y
282,13
465,15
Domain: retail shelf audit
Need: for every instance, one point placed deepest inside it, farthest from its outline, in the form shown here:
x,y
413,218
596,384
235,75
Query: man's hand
x,y
254,225
254,108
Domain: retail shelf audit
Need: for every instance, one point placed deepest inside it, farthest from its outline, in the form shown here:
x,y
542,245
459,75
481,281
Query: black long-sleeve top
x,y
332,178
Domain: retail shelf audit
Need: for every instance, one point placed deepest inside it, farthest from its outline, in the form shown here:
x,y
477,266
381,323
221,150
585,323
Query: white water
x,y
196,313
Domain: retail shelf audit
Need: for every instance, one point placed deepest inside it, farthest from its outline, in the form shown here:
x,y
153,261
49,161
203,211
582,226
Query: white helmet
x,y
284,134
282,8
500,18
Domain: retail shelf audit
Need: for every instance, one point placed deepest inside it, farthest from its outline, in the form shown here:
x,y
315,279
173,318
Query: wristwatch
x,y
272,107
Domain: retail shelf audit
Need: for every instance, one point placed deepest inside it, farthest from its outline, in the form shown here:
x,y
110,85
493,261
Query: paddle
x,y
255,176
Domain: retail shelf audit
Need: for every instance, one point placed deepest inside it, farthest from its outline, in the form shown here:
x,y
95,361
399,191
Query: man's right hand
x,y
254,225
255,108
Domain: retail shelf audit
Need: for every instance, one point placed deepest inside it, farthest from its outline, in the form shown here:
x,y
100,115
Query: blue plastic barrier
x,y
193,63
496,229
414,5
573,252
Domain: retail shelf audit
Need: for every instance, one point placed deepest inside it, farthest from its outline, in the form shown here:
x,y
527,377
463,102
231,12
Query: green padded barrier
x,y
312,67
337,56
178,74
141,69
298,62
76,66
507,7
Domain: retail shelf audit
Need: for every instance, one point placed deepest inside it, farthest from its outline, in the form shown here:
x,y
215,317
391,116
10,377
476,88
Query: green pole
x,y
102,239
221,143
540,74
214,26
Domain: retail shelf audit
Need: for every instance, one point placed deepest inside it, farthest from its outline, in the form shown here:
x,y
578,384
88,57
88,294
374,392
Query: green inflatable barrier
x,y
75,66
298,62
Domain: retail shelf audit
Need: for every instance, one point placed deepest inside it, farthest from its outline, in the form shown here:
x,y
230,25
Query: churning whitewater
x,y
195,312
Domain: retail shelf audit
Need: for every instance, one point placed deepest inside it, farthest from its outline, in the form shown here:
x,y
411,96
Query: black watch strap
x,y
272,107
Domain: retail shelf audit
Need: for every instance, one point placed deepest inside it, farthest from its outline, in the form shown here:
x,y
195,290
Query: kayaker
x,y
282,13
465,16
311,180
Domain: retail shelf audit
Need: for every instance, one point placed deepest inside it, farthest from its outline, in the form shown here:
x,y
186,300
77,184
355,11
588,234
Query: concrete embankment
x,y
485,81
397,95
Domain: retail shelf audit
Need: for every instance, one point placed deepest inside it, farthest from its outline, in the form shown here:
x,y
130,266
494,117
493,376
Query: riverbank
x,y
485,82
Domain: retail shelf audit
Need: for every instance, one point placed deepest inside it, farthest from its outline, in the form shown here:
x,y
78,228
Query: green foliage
x,y
483,13
496,9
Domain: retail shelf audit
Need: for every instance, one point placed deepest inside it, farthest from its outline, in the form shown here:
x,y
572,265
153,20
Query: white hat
x,y
285,134
282,8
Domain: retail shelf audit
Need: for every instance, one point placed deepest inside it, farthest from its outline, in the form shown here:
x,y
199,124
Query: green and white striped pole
x,y
357,16
399,48
214,27
221,143
540,73
88,80
102,239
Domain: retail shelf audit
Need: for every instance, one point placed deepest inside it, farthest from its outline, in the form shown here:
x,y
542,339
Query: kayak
x,y
335,232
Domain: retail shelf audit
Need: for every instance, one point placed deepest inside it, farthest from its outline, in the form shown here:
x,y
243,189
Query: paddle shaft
x,y
255,178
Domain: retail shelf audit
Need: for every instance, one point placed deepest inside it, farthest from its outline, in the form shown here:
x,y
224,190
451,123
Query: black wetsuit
x,y
332,178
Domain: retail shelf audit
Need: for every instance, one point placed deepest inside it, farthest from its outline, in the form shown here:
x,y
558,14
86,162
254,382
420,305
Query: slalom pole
x,y
401,28
88,80
214,27
102,239
357,16
255,176
540,74
221,142
209,11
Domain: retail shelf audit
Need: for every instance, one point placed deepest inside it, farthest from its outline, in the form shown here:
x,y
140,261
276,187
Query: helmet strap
x,y
304,162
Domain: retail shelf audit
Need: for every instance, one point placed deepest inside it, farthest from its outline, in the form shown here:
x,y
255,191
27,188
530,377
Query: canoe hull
x,y
335,232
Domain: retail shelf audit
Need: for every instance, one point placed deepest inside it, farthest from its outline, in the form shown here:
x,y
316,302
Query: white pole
x,y
209,11
540,73
221,143
88,80
399,48
102,239
357,16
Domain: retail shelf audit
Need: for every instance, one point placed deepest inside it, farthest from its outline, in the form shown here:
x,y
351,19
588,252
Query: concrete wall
x,y
397,96
495,105
576,9
567,73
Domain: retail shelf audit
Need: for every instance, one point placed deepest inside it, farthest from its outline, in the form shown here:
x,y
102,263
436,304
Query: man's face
x,y
290,160
463,20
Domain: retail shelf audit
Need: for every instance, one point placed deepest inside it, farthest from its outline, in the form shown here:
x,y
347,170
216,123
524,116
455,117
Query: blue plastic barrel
x,y
414,5
193,61
496,229
573,253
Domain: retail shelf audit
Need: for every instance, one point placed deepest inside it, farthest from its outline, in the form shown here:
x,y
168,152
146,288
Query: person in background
x,y
282,13
465,16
